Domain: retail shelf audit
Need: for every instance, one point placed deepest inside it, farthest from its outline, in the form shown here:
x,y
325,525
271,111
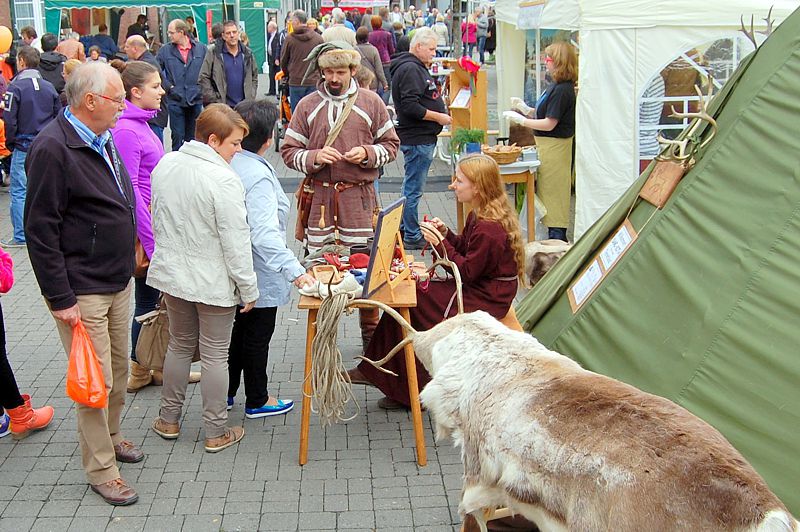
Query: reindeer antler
x,y
684,149
770,21
750,34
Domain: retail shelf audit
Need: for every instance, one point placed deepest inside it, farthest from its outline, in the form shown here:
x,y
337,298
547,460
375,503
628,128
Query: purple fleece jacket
x,y
140,150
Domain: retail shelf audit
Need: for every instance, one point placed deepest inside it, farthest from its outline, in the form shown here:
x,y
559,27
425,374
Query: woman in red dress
x,y
490,257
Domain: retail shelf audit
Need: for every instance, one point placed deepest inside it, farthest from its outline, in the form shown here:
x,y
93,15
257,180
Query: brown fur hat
x,y
339,59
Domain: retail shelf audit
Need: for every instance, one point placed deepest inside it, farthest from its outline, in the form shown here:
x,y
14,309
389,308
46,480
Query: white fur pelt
x,y
541,256
573,450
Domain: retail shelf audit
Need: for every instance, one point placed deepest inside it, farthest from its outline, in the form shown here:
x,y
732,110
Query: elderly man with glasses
x,y
80,226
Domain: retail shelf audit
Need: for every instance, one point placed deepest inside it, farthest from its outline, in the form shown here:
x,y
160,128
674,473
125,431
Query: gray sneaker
x,y
11,243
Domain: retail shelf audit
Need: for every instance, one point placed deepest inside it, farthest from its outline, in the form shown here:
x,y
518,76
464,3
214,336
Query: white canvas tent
x,y
623,43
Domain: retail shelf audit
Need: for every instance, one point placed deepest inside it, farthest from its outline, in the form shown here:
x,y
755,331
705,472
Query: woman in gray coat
x,y
371,60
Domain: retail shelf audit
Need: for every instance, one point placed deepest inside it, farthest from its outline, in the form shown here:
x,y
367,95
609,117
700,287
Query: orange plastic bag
x,y
85,382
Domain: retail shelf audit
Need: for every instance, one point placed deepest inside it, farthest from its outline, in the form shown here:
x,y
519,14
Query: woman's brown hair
x,y
135,74
565,61
492,203
220,120
376,21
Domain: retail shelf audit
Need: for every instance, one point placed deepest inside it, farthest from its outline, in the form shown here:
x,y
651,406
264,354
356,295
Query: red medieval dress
x,y
488,270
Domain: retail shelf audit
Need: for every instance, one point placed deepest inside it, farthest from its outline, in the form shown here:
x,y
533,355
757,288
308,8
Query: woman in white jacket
x,y
203,265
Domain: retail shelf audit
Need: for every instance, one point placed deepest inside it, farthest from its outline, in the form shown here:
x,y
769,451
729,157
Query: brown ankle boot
x,y
138,378
25,419
368,319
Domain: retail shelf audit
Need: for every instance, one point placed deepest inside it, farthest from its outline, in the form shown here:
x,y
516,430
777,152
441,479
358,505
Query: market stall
x,y
623,44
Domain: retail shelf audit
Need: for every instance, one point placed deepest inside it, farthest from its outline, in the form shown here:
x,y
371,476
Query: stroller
x,y
284,110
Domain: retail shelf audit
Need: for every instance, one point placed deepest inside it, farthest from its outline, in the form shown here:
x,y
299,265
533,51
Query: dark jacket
x,y
295,50
213,82
79,228
160,120
414,93
136,29
181,77
51,66
31,103
107,45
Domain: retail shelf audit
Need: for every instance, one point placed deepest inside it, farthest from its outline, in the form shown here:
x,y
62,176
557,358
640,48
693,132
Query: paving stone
x,y
202,523
240,522
317,521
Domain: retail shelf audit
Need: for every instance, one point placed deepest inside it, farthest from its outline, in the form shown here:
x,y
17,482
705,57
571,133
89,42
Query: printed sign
x,y
602,263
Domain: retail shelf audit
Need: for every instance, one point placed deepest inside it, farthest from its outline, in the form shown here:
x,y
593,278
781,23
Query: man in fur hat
x,y
340,171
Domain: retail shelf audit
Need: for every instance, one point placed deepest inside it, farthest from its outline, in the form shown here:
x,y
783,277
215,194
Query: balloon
x,y
5,39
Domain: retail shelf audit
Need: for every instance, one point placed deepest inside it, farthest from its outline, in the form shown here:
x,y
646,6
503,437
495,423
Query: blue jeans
x,y
159,131
469,49
181,122
297,93
481,47
418,161
18,189
146,298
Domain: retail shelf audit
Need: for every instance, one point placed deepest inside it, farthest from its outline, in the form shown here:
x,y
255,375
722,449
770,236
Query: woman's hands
x,y
433,231
517,104
514,117
303,280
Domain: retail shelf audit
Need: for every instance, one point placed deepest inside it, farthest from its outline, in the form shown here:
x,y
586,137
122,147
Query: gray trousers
x,y
192,324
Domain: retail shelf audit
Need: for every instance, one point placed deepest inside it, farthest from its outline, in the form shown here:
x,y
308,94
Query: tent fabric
x,y
702,308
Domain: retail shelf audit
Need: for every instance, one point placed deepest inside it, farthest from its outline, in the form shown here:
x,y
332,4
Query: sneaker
x,y
269,410
5,425
11,243
415,244
230,403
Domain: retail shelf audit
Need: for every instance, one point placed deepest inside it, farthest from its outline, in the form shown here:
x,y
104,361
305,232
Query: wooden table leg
x,y
530,196
413,395
305,419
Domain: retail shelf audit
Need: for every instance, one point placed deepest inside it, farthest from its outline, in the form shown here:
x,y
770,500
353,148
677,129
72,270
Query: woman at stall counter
x,y
554,130
490,257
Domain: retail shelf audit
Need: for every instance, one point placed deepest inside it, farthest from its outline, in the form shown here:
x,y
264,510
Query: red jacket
x,y
469,32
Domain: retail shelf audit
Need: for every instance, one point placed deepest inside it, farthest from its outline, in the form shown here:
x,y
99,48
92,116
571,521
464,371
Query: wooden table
x,y
405,297
514,173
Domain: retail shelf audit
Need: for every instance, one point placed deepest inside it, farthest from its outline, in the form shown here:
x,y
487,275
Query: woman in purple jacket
x,y
384,42
140,150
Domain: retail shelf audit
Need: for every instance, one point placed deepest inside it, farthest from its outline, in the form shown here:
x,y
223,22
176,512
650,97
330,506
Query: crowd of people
x,y
109,215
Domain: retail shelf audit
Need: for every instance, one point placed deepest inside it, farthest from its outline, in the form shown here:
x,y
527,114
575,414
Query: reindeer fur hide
x,y
574,450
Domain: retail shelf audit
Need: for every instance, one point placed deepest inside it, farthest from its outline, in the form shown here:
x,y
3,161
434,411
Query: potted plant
x,y
467,141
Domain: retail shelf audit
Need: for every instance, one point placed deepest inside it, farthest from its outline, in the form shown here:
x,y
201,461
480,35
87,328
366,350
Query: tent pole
x,y
538,66
237,11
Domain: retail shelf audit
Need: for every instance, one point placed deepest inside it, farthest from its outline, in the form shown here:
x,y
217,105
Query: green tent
x,y
701,308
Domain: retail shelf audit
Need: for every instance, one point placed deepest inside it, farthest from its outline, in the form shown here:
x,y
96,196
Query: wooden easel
x,y
397,290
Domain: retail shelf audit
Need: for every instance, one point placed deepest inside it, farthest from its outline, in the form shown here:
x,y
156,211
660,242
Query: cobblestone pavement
x,y
361,475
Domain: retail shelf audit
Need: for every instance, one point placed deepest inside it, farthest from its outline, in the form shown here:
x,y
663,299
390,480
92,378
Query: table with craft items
x,y
402,298
515,173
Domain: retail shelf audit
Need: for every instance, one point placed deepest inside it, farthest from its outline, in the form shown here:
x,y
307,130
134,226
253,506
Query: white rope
x,y
331,388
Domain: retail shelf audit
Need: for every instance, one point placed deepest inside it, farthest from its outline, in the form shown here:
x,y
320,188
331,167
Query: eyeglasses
x,y
119,101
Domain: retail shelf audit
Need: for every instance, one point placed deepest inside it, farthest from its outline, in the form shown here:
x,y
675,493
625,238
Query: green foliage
x,y
461,137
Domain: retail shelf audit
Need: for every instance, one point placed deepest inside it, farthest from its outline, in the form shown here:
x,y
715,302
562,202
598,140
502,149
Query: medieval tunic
x,y
367,125
485,260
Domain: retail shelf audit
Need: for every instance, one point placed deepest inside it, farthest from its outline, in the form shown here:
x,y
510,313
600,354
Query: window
x,y
29,13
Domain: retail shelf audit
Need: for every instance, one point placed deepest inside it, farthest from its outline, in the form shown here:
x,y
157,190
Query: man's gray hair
x,y
423,36
89,77
338,15
300,15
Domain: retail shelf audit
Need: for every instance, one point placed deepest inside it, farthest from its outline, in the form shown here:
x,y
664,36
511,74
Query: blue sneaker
x,y
5,425
230,403
269,410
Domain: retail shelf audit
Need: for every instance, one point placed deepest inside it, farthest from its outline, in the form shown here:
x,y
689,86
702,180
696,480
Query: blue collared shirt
x,y
234,75
96,142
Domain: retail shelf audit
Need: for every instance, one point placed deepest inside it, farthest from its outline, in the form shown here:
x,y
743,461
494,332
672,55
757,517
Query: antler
x,y
750,34
770,21
684,150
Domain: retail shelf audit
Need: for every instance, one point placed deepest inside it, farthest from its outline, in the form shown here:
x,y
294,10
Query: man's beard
x,y
335,90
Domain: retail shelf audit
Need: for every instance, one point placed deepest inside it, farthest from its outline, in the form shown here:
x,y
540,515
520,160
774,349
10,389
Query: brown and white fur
x,y
542,255
573,450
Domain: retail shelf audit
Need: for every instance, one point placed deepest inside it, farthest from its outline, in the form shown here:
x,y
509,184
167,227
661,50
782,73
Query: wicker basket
x,y
503,154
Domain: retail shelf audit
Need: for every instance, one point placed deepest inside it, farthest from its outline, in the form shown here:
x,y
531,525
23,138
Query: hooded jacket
x,y
160,120
182,77
414,93
214,82
295,50
140,151
51,66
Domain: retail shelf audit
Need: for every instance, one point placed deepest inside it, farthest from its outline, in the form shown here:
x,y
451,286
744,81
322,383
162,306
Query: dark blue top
x,y
234,76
